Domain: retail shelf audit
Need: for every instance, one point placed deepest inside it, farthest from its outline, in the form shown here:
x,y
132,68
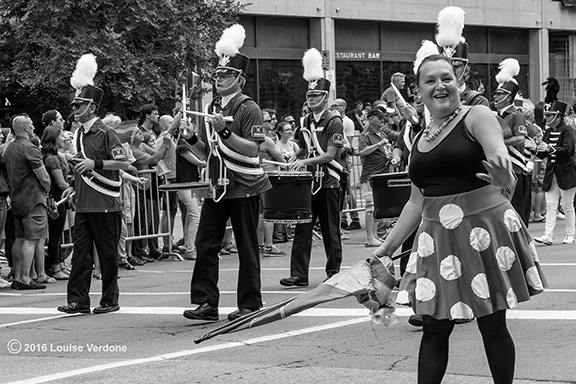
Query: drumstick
x,y
228,119
275,162
63,200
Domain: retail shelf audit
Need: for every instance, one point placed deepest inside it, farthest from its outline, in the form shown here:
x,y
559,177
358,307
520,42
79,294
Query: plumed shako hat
x,y
83,81
509,68
313,72
227,49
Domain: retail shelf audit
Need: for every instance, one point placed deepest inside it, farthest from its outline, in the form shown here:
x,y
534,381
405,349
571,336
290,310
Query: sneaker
x,y
568,240
343,224
544,239
271,250
560,216
353,226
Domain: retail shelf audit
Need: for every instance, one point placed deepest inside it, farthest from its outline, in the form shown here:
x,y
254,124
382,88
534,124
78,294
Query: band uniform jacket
x,y
562,160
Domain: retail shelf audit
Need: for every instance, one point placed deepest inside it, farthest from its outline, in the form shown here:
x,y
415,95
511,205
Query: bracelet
x,y
225,133
98,164
193,140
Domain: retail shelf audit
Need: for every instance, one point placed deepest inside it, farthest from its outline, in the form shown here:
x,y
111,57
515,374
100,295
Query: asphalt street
x,y
150,341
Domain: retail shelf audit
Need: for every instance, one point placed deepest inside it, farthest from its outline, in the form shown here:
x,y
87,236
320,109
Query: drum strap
x,y
92,178
334,168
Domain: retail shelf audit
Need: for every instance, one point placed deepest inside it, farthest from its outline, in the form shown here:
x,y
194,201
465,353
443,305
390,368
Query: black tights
x,y
498,344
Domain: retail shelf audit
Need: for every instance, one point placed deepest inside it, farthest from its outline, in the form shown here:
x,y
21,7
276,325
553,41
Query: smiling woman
x,y
464,224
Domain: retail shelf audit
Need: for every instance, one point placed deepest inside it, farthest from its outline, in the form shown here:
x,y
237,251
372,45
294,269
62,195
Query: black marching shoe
x,y
106,309
74,308
416,320
241,312
294,281
202,312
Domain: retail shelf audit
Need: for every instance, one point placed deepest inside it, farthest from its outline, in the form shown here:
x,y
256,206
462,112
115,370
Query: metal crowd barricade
x,y
146,223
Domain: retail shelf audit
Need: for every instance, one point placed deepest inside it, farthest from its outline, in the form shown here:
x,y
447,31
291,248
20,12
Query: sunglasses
x,y
224,75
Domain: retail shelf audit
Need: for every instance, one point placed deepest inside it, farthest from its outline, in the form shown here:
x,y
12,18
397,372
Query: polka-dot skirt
x,y
472,256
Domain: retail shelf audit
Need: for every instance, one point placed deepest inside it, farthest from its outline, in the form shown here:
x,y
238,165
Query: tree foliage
x,y
143,48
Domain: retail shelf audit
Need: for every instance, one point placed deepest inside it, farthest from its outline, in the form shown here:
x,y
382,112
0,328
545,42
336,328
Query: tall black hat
x,y
227,49
83,81
558,108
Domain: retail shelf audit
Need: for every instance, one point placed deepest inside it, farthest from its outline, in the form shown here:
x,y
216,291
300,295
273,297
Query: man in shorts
x,y
29,182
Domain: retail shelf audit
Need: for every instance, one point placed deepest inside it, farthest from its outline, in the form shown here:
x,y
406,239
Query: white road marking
x,y
37,320
312,312
181,293
174,355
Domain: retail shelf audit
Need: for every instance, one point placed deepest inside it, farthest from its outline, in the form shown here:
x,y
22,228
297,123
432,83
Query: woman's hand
x,y
498,173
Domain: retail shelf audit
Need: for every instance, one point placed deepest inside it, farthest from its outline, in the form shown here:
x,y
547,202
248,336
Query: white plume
x,y
231,41
427,48
312,63
450,26
85,71
509,68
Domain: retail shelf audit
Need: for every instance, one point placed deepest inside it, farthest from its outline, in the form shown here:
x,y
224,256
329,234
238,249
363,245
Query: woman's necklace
x,y
430,134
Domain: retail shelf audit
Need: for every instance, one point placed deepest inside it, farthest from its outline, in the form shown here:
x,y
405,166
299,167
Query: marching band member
x,y
237,179
321,139
97,184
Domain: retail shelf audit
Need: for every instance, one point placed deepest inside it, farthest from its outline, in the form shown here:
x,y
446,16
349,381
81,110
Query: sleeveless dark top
x,y
451,166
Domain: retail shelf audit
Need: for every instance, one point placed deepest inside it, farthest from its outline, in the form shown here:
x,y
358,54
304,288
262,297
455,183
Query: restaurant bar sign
x,y
358,55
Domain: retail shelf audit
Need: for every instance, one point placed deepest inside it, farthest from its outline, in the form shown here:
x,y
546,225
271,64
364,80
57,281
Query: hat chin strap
x,y
322,100
231,85
85,110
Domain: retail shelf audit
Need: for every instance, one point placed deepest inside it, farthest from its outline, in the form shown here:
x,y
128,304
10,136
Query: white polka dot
x,y
480,286
451,216
505,257
451,268
425,245
461,310
512,221
403,298
511,298
533,251
425,289
479,239
533,279
411,265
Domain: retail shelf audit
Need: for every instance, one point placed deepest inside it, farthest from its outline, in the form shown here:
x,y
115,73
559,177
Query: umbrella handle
x,y
401,255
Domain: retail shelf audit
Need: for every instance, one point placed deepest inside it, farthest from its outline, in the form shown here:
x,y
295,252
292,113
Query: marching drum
x,y
391,192
199,189
290,199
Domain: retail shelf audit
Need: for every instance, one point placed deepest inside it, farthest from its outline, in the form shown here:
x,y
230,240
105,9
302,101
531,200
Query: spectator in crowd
x,y
147,216
267,150
374,154
4,198
57,167
189,162
356,115
285,144
339,106
148,123
29,184
169,159
390,96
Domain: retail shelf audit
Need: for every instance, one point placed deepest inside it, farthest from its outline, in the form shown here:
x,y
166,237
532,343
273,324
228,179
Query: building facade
x,y
365,41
